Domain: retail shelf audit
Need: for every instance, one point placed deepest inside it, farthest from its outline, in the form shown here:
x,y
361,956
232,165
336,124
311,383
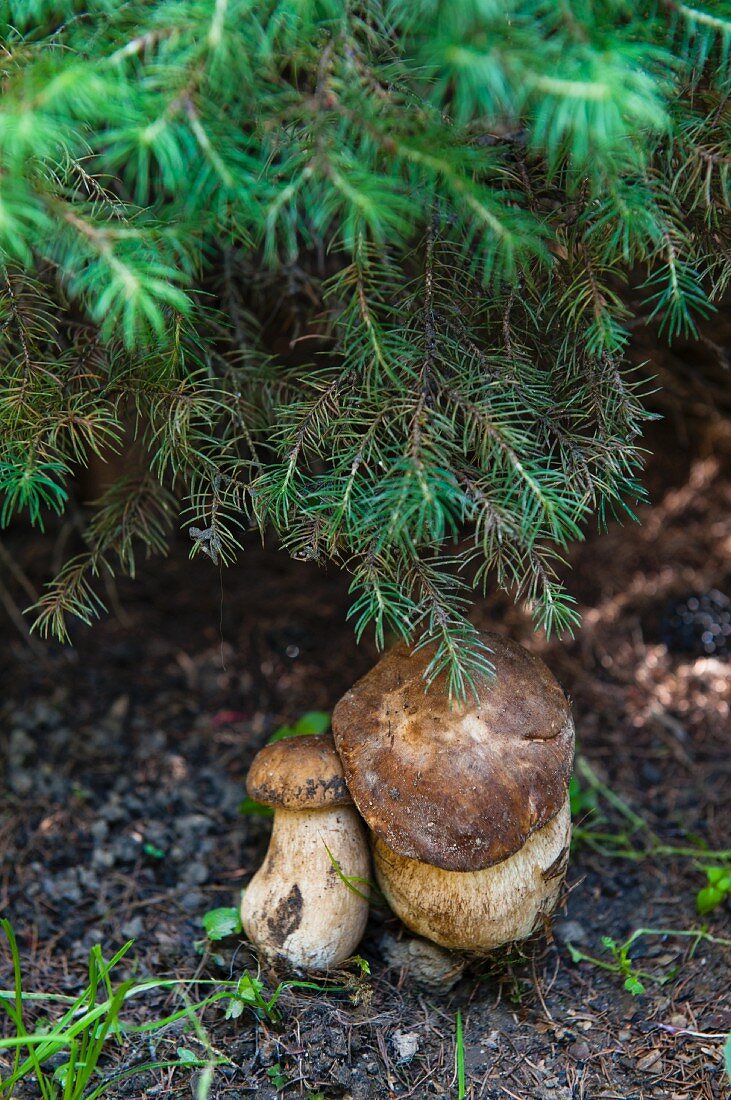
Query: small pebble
x,y
64,887
405,1045
569,931
650,773
192,901
20,747
196,873
99,830
102,858
117,713
651,1062
133,928
21,782
88,879
113,810
193,823
126,849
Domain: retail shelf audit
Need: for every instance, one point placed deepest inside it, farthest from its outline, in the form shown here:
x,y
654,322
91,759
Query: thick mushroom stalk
x,y
297,907
467,804
479,910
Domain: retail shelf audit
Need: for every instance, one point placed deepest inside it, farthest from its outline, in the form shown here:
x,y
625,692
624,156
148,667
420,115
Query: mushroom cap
x,y
299,773
458,786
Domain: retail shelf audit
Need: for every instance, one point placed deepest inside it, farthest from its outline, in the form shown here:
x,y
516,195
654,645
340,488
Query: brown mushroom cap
x,y
457,786
299,773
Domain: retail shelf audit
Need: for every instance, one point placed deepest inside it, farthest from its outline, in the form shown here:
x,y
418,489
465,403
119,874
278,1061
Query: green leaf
x,y
634,985
727,1056
707,899
250,989
222,922
313,722
582,800
363,965
716,875
61,1072
256,809
277,1076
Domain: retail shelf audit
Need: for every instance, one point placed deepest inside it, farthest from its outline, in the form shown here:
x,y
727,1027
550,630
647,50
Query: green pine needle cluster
x,y
362,273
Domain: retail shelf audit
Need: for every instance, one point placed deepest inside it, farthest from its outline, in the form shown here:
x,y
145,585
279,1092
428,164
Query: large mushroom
x,y
468,803
298,906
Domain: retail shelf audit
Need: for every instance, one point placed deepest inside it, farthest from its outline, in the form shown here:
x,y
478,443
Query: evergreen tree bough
x,y
360,273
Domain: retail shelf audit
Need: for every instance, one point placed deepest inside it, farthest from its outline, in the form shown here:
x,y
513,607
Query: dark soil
x,y
125,760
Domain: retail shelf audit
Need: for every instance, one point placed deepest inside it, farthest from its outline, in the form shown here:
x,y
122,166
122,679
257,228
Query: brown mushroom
x,y
298,907
468,803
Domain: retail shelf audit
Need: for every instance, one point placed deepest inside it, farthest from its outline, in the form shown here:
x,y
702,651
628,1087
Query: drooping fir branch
x,y
457,207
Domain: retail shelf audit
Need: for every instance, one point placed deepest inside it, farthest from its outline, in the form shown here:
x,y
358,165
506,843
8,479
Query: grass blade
x,y
459,1056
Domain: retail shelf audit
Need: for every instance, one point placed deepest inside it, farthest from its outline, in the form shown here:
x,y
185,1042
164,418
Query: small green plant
x,y
727,1056
249,994
277,1076
91,1021
222,922
362,964
252,808
353,882
218,924
80,1034
591,803
716,890
583,799
620,962
313,722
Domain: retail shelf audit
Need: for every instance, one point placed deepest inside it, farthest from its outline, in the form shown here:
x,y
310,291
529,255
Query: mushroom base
x,y
297,907
479,910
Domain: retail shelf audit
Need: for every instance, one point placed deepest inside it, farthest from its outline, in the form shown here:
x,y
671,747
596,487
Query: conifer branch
x,y
445,207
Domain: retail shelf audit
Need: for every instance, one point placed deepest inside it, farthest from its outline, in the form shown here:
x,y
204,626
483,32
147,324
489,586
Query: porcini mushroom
x,y
467,803
298,907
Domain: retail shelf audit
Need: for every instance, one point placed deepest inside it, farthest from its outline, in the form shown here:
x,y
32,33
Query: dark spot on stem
x,y
287,916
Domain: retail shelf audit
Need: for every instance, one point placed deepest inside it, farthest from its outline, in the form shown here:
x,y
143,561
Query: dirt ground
x,y
125,760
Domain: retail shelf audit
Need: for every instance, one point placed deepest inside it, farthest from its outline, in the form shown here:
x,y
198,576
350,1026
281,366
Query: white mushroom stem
x,y
479,910
297,906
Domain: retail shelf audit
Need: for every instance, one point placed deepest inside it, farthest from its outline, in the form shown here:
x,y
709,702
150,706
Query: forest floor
x,y
125,759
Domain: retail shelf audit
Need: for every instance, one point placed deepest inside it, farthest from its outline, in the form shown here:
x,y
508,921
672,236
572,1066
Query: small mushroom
x,y
297,906
468,803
